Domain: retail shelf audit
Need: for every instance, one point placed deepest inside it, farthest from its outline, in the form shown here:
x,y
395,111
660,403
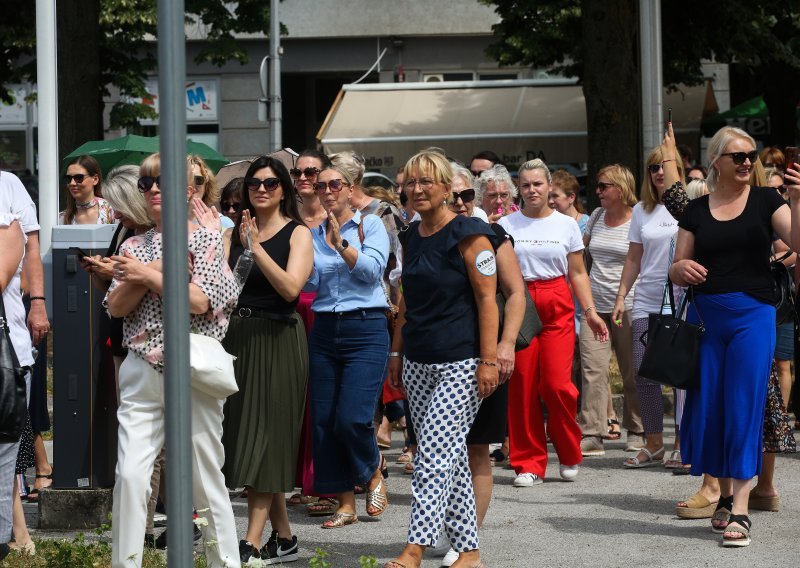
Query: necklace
x,y
88,205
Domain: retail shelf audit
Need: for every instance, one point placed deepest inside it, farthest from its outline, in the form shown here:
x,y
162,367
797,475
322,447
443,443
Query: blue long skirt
x,y
723,420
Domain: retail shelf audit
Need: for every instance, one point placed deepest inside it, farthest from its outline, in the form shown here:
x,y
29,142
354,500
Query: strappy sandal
x,y
737,524
614,431
339,520
653,458
722,515
300,499
674,460
405,457
377,500
323,507
697,507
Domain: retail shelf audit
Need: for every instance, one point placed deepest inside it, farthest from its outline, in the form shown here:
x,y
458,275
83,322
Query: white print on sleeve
x,y
486,263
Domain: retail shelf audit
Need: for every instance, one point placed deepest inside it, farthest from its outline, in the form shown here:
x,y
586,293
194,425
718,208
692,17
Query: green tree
x,y
107,44
598,43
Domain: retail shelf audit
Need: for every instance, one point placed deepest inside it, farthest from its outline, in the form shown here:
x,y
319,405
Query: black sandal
x,y
722,514
613,433
737,524
33,495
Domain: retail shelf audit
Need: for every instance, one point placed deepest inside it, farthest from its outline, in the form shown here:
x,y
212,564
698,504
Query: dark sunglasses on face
x,y
334,185
602,186
227,206
466,195
145,183
654,168
199,180
270,184
308,172
77,177
739,157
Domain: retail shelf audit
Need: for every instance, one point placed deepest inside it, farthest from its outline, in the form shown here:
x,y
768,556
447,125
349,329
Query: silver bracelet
x,y
395,354
587,309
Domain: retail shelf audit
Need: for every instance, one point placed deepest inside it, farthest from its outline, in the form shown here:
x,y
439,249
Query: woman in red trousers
x,y
549,247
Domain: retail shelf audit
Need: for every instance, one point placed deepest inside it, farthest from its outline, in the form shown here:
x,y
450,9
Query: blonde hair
x,y
434,163
648,195
124,197
351,162
212,191
382,194
716,147
623,178
696,188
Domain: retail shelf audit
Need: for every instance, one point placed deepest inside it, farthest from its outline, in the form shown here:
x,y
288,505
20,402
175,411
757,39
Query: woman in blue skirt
x,y
723,251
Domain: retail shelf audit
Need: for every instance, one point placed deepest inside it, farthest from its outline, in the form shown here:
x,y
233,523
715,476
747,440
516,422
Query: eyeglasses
x,y
270,184
465,196
602,186
335,185
424,183
308,172
739,157
77,177
199,180
145,183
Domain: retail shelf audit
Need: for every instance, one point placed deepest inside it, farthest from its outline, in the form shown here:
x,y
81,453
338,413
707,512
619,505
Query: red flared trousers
x,y
542,373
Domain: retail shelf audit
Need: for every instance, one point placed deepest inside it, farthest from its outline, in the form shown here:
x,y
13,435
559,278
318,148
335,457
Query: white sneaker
x,y
449,558
527,480
568,472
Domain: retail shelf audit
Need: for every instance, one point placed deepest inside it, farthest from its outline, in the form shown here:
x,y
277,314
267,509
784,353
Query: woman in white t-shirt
x,y
606,237
549,247
652,229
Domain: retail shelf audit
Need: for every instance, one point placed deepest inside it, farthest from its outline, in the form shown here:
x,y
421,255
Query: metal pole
x,y
178,408
652,75
275,100
47,81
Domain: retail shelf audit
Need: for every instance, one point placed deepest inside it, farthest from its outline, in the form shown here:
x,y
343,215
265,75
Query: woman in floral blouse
x,y
136,294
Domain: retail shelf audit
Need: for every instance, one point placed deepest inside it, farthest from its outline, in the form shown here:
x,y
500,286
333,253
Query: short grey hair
x,y
497,174
463,173
121,191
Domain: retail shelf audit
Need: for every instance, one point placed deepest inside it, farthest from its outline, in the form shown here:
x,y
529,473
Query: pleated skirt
x,y
262,424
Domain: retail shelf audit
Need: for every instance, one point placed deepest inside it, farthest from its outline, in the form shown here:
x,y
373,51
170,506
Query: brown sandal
x,y
322,508
339,520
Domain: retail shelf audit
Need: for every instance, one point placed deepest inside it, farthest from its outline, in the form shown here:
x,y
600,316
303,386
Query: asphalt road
x,y
610,516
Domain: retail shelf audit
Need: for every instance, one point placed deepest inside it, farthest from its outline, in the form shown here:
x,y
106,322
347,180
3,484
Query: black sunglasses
x,y
77,177
655,167
602,186
145,183
228,205
739,157
309,172
466,195
199,180
335,185
270,184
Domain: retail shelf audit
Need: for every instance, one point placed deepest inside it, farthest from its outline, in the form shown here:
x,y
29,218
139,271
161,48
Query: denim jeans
x,y
347,366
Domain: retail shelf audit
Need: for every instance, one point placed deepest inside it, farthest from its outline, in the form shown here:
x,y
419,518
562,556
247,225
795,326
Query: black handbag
x,y
531,324
672,350
784,290
13,395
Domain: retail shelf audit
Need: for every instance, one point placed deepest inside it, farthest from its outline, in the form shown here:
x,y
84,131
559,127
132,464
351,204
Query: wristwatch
x,y
342,246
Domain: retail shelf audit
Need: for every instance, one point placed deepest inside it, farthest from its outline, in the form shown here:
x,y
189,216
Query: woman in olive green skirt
x,y
262,425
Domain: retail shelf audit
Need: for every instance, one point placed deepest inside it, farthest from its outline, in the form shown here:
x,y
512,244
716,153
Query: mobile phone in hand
x,y
791,154
669,115
79,252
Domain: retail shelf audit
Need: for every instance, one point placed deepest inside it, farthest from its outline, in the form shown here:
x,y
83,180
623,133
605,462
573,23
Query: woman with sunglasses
x,y
606,238
136,294
348,348
84,204
444,353
550,250
651,232
723,251
261,432
463,202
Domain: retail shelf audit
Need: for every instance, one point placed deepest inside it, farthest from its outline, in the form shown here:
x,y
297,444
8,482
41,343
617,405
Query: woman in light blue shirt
x,y
348,348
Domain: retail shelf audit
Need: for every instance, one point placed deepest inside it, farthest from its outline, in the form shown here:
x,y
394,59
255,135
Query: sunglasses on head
x,y
270,184
334,185
145,183
77,177
466,195
739,157
309,172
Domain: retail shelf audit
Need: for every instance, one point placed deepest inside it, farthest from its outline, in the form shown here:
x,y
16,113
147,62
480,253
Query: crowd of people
x,y
348,308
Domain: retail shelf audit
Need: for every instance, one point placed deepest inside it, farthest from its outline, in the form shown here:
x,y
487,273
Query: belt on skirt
x,y
244,312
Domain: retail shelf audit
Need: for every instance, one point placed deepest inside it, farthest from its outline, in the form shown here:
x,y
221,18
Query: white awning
x,y
519,120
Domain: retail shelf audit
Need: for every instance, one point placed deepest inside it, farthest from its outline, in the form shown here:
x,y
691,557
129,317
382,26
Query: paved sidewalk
x,y
609,517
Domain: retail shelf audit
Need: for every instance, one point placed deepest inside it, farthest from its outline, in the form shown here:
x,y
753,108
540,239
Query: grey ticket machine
x,y
84,392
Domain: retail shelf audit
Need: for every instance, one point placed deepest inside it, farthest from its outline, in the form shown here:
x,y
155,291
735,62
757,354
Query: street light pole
x,y
275,100
177,396
652,74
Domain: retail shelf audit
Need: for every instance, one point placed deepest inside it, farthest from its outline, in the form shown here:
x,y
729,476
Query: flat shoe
x,y
377,499
697,507
674,460
339,520
653,458
322,508
762,503
405,457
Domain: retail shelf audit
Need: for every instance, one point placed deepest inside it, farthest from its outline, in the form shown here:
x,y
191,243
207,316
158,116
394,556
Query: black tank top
x,y
258,292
